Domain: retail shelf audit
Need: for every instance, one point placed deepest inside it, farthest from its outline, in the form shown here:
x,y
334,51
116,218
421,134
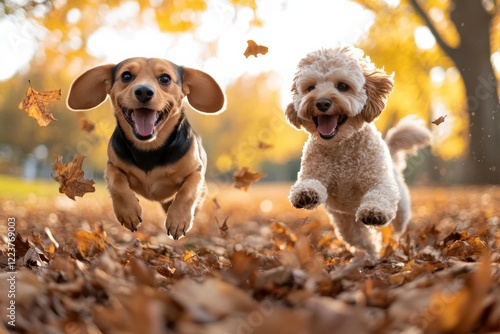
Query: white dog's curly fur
x,y
346,165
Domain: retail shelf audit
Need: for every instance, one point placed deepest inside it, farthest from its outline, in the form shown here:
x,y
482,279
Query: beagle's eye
x,y
342,87
310,88
126,76
164,79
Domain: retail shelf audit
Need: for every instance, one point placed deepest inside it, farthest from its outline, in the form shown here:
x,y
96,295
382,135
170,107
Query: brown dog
x,y
153,150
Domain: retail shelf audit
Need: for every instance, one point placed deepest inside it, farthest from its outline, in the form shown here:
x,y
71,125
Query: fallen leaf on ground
x,y
253,49
460,310
439,120
283,236
211,299
70,177
244,176
36,104
90,243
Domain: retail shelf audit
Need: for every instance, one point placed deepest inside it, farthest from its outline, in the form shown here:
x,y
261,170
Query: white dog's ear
x,y
378,86
292,117
290,112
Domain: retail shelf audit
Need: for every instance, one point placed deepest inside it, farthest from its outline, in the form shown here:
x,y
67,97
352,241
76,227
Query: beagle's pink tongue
x,y
145,121
327,124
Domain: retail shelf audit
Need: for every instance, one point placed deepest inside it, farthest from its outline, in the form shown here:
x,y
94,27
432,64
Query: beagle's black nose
x,y
144,93
323,104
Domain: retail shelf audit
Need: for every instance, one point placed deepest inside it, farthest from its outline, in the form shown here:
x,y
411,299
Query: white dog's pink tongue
x,y
327,124
145,121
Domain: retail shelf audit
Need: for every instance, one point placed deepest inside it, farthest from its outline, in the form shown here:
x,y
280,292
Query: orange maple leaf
x,y
439,120
36,104
243,177
70,177
253,49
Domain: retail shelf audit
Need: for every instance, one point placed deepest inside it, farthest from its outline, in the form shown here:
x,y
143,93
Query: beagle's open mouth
x,y
328,125
144,121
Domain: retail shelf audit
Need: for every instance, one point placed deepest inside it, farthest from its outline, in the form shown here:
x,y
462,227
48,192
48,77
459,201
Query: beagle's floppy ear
x,y
202,91
292,117
91,88
378,86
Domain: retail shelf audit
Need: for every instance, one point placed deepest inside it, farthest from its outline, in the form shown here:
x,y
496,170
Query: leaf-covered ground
x,y
251,264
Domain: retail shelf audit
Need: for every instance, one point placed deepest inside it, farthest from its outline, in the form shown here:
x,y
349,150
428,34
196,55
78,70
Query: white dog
x,y
346,165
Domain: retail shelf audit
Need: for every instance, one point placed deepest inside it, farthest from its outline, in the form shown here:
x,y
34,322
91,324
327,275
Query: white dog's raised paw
x,y
373,218
308,194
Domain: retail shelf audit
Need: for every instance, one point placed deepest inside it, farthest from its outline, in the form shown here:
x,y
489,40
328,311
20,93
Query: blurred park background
x,y
445,55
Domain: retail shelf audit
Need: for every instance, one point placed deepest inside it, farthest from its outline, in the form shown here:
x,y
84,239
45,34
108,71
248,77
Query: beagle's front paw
x,y
308,194
128,211
178,223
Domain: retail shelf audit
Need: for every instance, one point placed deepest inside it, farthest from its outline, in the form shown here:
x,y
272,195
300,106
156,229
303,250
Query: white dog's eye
x,y
342,87
310,88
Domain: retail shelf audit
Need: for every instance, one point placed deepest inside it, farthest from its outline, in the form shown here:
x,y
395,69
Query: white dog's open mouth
x,y
144,121
328,125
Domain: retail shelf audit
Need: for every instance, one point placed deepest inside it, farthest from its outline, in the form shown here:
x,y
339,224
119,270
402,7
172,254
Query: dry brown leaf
x,y
439,120
143,274
244,176
461,310
216,203
70,177
189,256
223,228
85,124
211,299
283,237
22,246
264,146
253,49
90,243
243,265
36,104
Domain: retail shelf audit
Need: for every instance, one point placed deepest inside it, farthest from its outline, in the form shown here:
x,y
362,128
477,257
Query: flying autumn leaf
x,y
439,120
264,146
36,104
85,124
223,228
243,177
70,177
253,49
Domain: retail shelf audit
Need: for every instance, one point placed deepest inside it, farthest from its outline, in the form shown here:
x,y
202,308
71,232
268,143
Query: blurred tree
x,y
466,32
252,130
62,54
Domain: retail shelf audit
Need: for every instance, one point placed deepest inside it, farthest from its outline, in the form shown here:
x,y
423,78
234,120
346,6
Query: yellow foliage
x,y
253,116
390,43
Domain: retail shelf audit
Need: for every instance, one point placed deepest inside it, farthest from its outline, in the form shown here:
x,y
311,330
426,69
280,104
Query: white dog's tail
x,y
406,137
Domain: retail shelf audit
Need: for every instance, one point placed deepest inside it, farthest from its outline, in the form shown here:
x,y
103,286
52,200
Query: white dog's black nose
x,y
144,93
323,104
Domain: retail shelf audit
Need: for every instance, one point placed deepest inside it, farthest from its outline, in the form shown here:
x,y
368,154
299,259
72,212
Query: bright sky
x,y
290,30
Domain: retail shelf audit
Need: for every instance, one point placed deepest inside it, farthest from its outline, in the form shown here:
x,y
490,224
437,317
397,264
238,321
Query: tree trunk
x,y
473,60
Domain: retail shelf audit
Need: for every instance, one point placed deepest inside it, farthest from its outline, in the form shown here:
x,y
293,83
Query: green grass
x,y
12,187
